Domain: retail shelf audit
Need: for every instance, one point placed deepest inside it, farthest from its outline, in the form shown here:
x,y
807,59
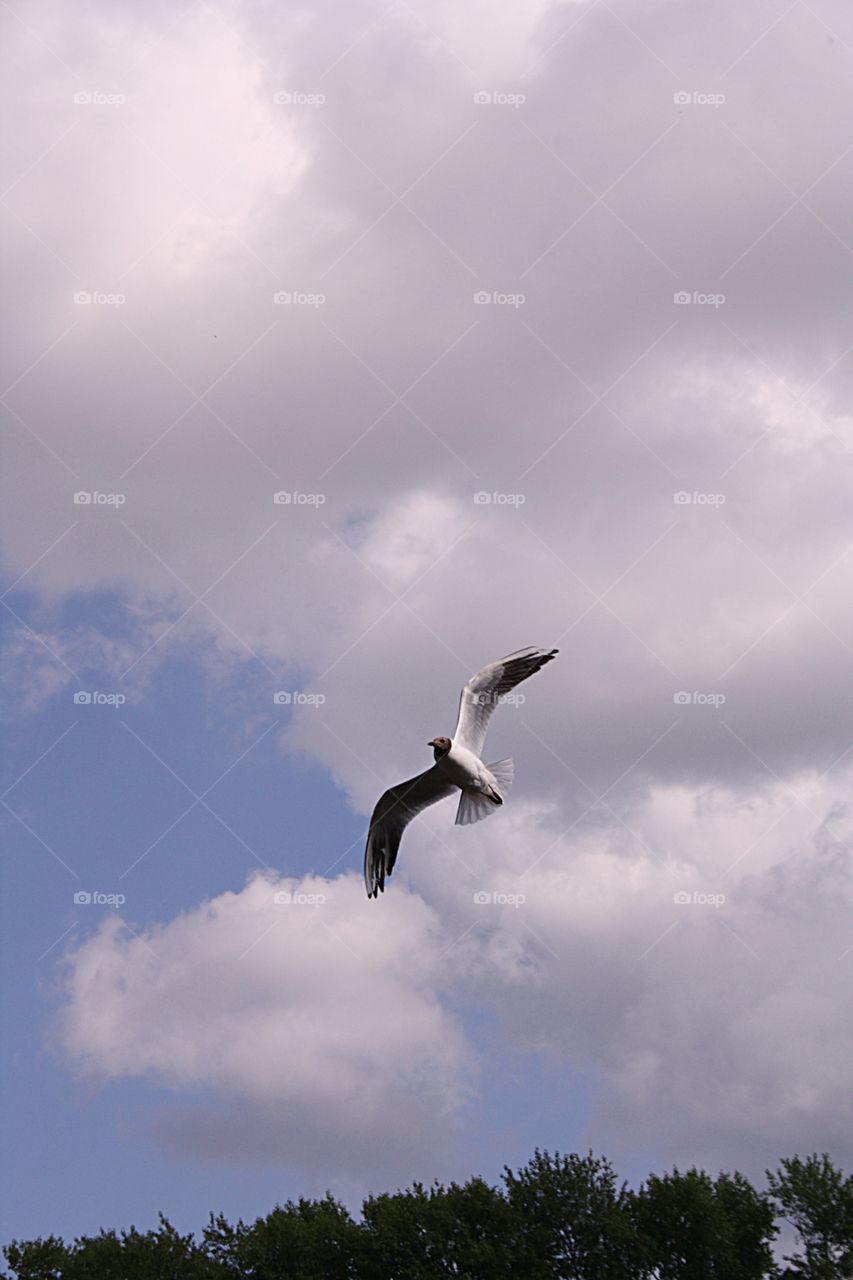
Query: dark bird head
x,y
440,747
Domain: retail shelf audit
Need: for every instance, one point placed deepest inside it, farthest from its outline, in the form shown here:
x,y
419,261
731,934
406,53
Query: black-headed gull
x,y
458,767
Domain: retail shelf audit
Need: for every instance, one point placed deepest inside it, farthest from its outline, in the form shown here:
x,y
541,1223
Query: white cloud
x,y
644,597
712,1022
302,1008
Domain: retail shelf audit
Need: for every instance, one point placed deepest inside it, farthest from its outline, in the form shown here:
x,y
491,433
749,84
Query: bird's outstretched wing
x,y
394,811
484,690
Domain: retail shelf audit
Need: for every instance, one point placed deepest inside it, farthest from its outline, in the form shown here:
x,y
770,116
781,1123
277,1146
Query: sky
x,y
346,349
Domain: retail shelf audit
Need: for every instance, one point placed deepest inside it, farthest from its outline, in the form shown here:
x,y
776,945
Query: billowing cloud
x,y
540,332
285,999
692,951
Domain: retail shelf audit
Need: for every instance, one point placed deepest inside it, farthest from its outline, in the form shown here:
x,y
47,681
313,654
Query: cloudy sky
x,y
536,320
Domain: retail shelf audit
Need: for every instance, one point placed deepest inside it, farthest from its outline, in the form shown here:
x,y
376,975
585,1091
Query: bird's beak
x,y
431,744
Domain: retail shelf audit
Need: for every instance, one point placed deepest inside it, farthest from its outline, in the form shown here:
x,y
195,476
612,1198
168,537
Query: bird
x,y
458,766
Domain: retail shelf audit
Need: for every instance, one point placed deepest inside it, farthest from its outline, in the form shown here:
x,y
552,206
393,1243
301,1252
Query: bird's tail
x,y
503,772
476,805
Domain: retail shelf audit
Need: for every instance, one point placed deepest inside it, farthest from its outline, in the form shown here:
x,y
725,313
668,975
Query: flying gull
x,y
458,767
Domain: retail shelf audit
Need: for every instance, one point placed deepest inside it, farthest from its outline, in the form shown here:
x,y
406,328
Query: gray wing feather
x,y
483,691
394,811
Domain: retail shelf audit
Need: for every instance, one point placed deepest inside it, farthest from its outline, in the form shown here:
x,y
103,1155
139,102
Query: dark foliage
x,y
557,1218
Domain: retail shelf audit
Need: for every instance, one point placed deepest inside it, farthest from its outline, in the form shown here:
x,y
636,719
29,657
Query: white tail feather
x,y
473,807
503,772
476,805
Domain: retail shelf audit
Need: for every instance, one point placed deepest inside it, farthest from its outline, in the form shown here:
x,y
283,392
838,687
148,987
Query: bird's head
x,y
440,747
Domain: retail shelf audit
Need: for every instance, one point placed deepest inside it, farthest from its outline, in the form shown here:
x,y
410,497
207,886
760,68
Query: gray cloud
x,y
590,405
